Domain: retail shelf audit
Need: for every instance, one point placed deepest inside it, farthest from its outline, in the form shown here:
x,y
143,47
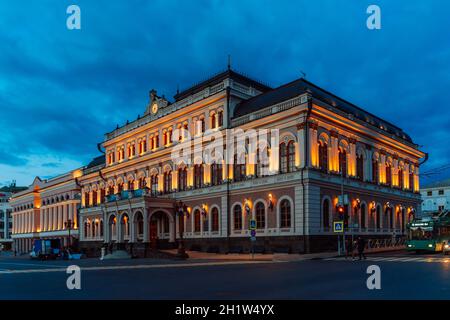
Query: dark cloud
x,y
61,90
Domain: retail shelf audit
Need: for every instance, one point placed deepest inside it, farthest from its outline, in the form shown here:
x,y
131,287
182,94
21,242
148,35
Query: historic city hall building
x,y
47,209
138,196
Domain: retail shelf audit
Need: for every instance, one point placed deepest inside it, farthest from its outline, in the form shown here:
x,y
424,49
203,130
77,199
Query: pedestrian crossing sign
x,y
338,226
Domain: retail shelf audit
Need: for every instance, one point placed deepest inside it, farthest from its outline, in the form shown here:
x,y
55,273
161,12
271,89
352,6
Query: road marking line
x,y
143,266
31,264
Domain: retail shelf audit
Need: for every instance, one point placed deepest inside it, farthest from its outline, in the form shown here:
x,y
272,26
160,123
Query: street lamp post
x,y
69,224
181,211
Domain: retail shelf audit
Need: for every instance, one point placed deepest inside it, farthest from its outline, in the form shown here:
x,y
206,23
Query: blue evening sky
x,y
61,90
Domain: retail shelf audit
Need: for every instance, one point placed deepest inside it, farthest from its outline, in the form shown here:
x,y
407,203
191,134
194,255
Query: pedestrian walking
x,y
361,247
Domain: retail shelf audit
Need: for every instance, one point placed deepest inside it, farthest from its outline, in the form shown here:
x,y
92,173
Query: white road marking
x,y
30,264
144,266
398,259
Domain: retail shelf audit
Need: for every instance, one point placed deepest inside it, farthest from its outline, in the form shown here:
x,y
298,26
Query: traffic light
x,y
340,211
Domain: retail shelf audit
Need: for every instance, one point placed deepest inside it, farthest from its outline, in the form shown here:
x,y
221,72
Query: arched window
x,y
142,183
94,198
388,174
125,226
375,170
363,216
154,184
213,121
411,180
400,178
111,190
140,225
260,216
343,161
86,229
360,167
119,187
215,219
237,217
326,214
130,185
290,156
285,214
378,217
198,176
323,156
262,162
197,220
167,181
102,195
216,174
239,168
283,158
182,179
220,115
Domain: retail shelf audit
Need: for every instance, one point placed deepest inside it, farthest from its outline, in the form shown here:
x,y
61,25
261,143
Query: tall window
x,y
375,170
213,121
120,187
360,167
285,214
197,221
168,182
326,214
237,217
283,158
142,183
102,195
220,116
343,162
411,181
215,219
216,173
182,179
378,217
363,216
239,169
388,174
198,175
130,185
400,178
154,183
323,156
260,216
94,198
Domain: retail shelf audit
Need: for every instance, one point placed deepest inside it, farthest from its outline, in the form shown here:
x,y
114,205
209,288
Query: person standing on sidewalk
x,y
361,247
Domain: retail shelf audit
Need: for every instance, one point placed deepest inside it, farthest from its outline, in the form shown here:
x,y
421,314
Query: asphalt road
x,y
403,276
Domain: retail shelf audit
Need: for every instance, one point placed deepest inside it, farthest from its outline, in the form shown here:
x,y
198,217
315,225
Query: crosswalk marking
x,y
397,259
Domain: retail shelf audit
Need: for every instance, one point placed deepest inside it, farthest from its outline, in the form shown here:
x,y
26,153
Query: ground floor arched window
x,y
197,221
237,217
285,214
215,219
260,213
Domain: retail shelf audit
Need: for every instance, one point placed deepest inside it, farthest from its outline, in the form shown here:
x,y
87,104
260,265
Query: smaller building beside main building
x,y
6,193
435,197
47,209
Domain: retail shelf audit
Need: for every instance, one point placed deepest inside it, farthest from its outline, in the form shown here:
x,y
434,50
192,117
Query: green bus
x,y
429,234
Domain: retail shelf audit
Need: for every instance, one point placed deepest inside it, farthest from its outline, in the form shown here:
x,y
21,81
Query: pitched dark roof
x,y
243,79
96,162
300,86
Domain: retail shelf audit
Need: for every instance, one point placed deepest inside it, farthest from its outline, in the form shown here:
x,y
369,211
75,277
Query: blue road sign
x,y
253,224
338,226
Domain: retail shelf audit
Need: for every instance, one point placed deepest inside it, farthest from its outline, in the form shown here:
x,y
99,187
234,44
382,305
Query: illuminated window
x,y
239,168
326,214
343,162
220,116
198,176
154,184
323,156
216,174
168,182
182,179
400,179
388,174
213,121
375,169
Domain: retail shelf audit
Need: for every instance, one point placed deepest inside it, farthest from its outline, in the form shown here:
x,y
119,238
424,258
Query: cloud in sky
x,y
61,90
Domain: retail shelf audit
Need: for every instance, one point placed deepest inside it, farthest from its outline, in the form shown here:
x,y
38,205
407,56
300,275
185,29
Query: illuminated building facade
x,y
47,209
6,193
326,146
